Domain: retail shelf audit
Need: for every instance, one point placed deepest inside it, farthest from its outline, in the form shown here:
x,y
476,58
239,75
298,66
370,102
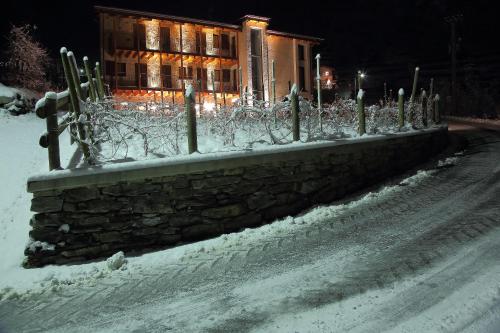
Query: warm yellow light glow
x,y
208,106
152,35
154,72
327,73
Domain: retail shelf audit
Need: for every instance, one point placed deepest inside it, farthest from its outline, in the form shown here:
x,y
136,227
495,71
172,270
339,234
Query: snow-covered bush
x,y
139,130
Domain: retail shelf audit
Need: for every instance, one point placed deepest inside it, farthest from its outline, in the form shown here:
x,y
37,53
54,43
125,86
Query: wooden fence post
x,y
401,108
52,130
75,103
189,101
73,69
437,116
413,94
361,112
424,108
100,85
88,73
294,99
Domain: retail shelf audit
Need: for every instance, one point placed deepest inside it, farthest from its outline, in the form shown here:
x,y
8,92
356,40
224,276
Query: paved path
x,y
377,266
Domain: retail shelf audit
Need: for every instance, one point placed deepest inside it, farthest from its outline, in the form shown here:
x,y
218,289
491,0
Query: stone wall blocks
x,y
224,211
214,182
81,194
261,200
46,204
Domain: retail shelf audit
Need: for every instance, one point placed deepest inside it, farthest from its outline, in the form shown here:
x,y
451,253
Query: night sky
x,y
356,33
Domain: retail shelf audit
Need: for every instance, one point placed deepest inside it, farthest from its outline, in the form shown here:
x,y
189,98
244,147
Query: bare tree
x,y
28,59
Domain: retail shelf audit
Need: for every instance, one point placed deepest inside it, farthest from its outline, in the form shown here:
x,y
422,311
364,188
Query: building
x,y
327,77
148,56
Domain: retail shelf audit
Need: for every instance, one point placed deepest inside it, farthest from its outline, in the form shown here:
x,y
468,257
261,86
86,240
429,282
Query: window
x,y
166,71
225,42
217,75
302,78
226,75
110,67
216,41
301,52
165,38
233,47
121,69
198,42
186,71
140,36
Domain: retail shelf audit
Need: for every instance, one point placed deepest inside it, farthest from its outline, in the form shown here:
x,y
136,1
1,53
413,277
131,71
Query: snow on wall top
x,y
186,164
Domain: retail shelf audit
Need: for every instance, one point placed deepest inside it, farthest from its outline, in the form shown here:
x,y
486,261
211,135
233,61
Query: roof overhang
x,y
315,40
180,19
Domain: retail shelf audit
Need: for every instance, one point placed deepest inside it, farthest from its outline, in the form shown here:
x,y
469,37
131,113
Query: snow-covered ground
x,y
21,157
418,255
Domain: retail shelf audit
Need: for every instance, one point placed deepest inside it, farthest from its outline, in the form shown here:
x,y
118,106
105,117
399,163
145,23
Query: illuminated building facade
x,y
148,56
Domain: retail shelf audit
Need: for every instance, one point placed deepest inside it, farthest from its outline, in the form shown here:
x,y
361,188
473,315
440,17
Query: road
x,y
413,257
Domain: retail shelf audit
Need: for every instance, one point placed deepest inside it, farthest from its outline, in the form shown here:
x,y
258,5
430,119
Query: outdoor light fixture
x,y
207,106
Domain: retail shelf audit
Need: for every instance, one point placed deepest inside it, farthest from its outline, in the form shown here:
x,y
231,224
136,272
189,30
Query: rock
x,y
214,182
81,194
224,211
261,200
116,261
109,237
152,221
46,204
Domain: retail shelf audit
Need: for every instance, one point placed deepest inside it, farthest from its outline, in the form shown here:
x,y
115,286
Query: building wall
x,y
280,50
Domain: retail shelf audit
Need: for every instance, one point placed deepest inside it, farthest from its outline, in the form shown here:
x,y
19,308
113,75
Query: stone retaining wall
x,y
137,206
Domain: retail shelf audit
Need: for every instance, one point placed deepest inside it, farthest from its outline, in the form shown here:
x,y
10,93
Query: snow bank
x,y
116,261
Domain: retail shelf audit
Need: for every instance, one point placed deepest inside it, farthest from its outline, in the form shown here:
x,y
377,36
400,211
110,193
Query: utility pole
x,y
452,21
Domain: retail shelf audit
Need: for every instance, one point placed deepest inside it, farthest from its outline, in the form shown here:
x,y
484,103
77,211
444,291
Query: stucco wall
x,y
86,214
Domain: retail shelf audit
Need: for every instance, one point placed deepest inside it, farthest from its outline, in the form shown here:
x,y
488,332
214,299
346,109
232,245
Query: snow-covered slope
x,y
21,157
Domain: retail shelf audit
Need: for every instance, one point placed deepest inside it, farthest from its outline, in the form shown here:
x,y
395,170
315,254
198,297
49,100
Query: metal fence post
x,y
361,112
318,83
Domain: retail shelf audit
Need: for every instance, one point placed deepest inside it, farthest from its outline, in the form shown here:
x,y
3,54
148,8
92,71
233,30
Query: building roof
x,y
130,12
292,35
113,10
